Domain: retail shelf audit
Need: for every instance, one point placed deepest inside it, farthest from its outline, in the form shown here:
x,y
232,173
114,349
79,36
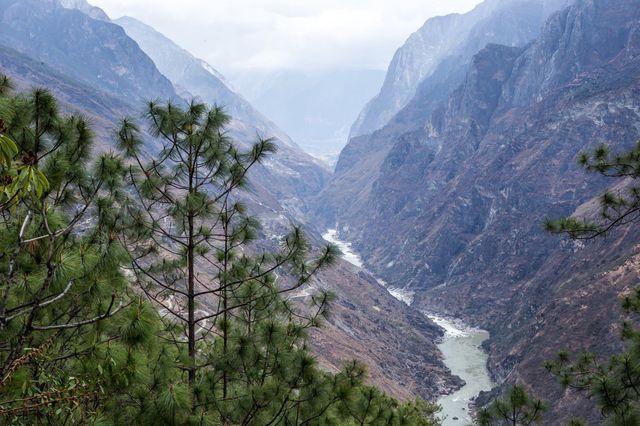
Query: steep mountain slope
x,y
455,213
509,22
454,39
101,109
292,173
363,311
99,54
95,52
195,76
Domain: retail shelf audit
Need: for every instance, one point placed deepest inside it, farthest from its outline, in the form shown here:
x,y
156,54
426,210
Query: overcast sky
x,y
236,35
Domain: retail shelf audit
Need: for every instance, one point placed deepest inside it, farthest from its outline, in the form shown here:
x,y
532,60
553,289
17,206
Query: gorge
x,y
448,284
448,199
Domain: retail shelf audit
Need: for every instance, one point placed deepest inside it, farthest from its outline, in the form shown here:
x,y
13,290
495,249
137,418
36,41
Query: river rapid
x,y
460,347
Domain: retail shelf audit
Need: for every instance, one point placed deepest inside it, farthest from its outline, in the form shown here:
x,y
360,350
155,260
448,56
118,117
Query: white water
x,y
347,254
460,348
352,257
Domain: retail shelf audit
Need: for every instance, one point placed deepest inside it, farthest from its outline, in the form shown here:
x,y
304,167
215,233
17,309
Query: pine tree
x,y
63,297
614,384
516,408
79,345
239,345
616,208
191,257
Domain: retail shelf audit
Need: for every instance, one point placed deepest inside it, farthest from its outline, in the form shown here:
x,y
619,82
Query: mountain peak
x,y
151,39
86,8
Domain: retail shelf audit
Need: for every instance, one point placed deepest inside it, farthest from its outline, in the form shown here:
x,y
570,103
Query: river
x,y
460,348
463,355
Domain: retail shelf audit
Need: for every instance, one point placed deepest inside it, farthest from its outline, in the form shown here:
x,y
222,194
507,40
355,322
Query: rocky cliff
x,y
419,80
454,212
451,39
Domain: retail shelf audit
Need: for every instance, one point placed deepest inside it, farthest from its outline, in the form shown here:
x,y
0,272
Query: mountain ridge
x,y
45,30
443,38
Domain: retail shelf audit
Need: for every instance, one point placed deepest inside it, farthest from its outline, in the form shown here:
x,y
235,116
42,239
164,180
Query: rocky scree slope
x,y
456,210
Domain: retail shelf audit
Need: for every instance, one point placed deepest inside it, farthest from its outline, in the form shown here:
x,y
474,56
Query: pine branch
x,y
31,306
107,314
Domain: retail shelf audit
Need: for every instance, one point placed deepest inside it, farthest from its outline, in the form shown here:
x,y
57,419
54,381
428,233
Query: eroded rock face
x,y
455,205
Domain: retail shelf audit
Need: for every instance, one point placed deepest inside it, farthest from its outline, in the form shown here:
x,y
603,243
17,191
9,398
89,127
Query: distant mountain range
x,y
471,144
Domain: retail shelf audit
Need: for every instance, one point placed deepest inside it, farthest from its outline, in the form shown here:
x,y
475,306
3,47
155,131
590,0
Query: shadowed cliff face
x,y
455,209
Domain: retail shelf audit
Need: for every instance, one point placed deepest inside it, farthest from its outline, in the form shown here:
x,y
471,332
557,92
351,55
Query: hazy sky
x,y
234,35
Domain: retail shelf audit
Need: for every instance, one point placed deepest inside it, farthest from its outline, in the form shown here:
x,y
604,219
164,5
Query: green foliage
x,y
517,408
615,383
617,208
61,356
8,150
238,343
18,179
209,336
